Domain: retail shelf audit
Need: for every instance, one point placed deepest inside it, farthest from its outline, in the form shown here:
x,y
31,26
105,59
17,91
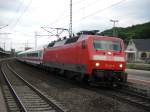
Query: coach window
x,y
32,54
28,55
35,54
40,53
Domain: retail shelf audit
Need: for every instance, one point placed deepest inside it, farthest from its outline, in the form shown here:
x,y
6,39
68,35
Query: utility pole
x,y
4,46
70,25
11,45
35,40
114,28
4,34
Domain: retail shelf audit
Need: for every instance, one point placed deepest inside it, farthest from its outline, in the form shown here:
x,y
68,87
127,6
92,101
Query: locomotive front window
x,y
106,45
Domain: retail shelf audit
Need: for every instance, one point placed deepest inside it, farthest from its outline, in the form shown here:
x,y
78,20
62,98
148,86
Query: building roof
x,y
142,44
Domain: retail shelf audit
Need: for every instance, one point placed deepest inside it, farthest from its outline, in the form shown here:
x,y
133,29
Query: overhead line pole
x,y
4,34
70,25
114,28
35,40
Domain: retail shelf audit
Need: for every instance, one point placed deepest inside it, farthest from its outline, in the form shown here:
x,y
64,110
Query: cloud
x,y
27,16
9,5
130,12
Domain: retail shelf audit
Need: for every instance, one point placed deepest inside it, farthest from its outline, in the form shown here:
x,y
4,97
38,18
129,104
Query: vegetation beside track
x,y
138,66
139,31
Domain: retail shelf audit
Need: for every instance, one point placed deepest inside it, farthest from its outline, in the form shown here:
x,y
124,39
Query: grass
x,y
139,66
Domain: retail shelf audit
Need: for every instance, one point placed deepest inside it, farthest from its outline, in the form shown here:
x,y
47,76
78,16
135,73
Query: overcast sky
x,y
25,17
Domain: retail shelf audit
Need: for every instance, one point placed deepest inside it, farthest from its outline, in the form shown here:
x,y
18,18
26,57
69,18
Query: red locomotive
x,y
93,58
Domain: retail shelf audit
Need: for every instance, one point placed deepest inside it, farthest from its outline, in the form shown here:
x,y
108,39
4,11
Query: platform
x,y
139,76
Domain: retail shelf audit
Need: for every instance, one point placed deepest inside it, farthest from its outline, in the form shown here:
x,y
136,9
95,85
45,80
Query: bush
x,y
139,66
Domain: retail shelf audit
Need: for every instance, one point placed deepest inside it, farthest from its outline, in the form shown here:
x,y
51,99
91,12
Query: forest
x,y
139,31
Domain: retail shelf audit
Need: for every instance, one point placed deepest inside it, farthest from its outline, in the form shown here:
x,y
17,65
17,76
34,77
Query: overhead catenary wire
x,y
61,17
24,11
87,5
58,19
92,14
98,11
17,12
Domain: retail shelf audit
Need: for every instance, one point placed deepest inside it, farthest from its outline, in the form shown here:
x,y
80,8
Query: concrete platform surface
x,y
139,76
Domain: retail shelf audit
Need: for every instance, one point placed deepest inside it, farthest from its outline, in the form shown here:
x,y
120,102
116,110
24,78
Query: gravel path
x,y
74,97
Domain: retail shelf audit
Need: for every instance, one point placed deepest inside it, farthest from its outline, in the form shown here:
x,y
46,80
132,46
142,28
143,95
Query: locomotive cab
x,y
107,58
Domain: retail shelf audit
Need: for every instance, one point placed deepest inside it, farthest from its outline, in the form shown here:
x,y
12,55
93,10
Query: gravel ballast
x,y
72,96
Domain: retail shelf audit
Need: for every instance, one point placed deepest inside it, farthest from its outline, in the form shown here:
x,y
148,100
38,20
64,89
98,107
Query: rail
x,y
27,97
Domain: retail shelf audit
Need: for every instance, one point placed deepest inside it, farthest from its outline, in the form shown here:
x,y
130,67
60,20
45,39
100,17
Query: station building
x,y
4,54
138,50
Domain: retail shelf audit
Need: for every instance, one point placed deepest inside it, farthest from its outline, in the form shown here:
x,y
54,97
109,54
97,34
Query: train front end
x,y
107,59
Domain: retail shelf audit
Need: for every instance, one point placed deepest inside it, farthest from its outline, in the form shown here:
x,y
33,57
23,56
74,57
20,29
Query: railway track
x,y
128,93
22,96
132,97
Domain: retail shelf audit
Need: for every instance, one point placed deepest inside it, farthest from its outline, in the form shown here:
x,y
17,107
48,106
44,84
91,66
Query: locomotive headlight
x,y
121,65
97,64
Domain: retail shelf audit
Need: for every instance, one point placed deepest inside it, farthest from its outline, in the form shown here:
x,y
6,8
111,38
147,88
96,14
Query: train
x,y
92,58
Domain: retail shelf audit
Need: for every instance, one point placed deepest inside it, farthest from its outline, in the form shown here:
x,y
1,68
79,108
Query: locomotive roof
x,y
78,38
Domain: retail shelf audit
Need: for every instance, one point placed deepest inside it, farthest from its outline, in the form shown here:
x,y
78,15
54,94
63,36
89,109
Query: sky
x,y
26,17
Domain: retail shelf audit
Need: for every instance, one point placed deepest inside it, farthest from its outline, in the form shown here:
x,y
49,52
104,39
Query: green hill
x,y
140,31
